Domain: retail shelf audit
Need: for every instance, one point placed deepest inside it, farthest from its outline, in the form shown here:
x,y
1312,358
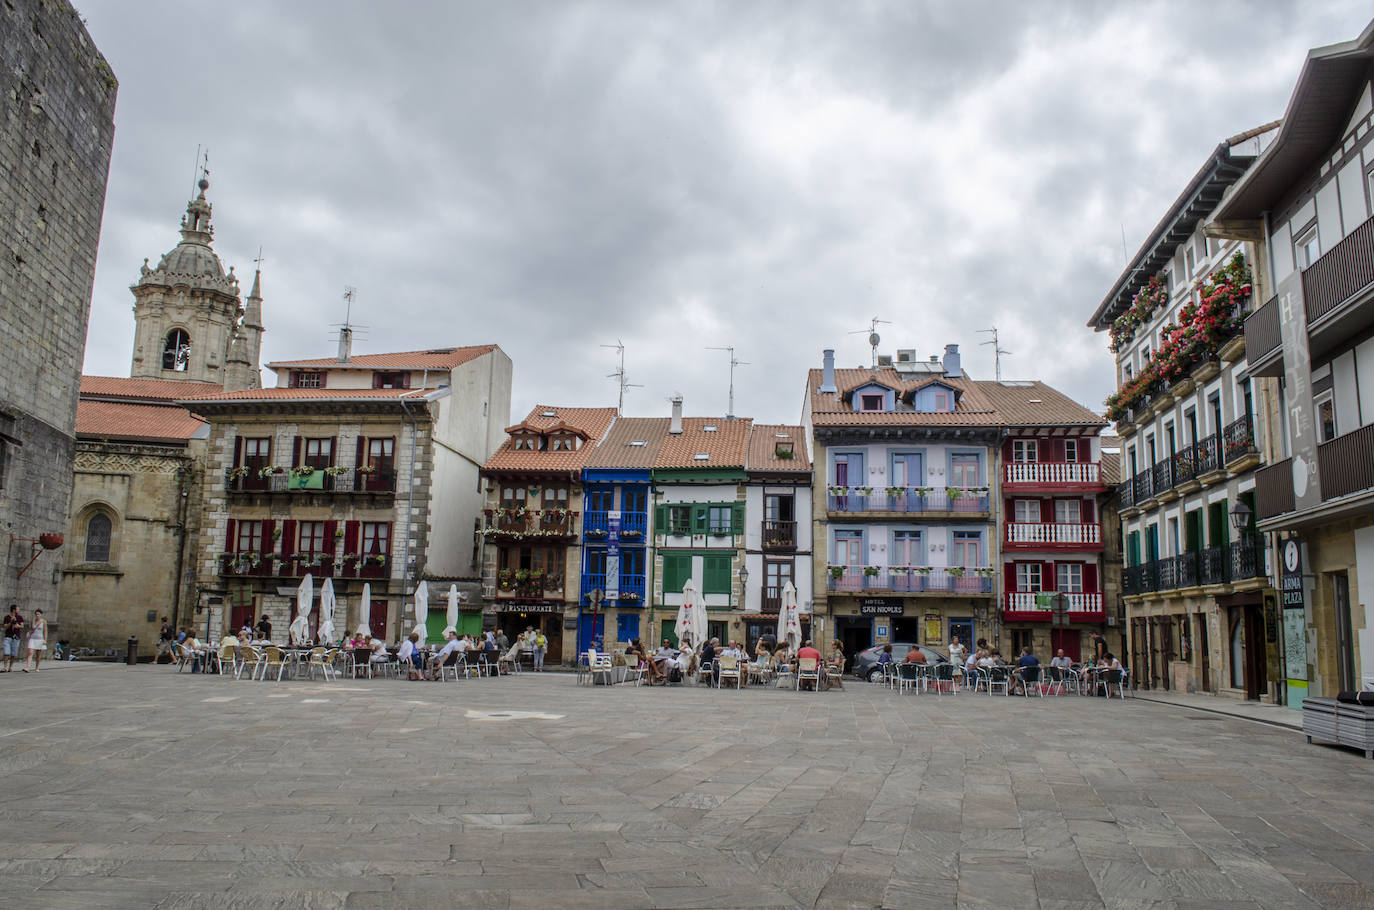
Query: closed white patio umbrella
x,y
305,596
365,610
327,603
452,609
691,616
789,618
421,609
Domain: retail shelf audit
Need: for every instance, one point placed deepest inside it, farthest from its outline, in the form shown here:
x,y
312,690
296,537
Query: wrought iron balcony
x,y
631,528
910,579
1208,455
908,500
779,534
1228,563
1240,439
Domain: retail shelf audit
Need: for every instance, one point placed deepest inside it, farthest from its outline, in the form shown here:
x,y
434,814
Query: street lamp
x,y
743,581
1240,517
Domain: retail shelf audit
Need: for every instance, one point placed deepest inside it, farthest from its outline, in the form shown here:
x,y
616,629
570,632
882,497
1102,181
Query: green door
x,y
1218,520
1192,531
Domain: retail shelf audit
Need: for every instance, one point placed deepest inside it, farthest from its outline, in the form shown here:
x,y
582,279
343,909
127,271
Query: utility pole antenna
x,y
349,295
730,412
997,351
620,377
873,337
347,328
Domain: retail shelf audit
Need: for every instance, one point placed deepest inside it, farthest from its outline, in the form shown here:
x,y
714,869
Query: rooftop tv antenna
x,y
997,351
619,376
347,328
873,337
734,362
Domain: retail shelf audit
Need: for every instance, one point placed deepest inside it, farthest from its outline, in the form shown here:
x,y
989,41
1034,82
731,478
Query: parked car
x,y
865,663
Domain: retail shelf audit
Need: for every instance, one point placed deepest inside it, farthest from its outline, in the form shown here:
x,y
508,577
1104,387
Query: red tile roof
x,y
144,389
614,449
763,448
122,421
594,422
284,394
981,403
727,445
433,359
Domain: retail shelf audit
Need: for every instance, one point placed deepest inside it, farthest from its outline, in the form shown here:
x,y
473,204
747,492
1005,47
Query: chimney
x,y
675,425
345,344
952,362
828,370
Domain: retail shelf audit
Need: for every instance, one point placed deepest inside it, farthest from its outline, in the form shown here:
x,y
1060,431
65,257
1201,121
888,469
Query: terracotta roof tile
x,y
594,422
434,359
727,445
135,422
1034,404
763,448
615,449
148,389
284,394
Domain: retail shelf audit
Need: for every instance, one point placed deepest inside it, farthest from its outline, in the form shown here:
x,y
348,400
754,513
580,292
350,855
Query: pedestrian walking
x,y
38,640
14,636
541,646
164,640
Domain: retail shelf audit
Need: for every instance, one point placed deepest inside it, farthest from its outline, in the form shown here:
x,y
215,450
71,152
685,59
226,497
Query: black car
x,y
865,664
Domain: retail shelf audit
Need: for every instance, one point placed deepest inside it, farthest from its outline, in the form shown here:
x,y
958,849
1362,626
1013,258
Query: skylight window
x,y
709,428
702,456
639,442
549,414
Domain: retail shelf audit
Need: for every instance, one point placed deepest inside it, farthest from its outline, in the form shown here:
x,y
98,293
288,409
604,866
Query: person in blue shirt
x,y
1027,659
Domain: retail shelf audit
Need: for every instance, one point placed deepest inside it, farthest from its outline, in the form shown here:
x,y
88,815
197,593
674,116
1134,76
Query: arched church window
x,y
176,353
98,538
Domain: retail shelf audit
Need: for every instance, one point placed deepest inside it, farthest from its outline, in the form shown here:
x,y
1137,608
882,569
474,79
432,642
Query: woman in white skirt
x,y
38,640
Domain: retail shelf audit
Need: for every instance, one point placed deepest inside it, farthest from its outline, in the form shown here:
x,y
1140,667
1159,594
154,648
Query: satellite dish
x,y
873,339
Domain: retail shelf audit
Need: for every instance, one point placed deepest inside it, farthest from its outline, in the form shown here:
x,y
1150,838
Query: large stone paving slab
x,y
141,787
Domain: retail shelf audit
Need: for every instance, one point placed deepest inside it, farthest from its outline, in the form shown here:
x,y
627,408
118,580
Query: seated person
x,y
378,649
915,656
986,660
972,662
808,652
447,656
885,655
709,653
1026,660
409,653
1060,662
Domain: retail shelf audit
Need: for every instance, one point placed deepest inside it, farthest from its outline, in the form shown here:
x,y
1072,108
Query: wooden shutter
x,y
295,451
288,538
329,545
390,539
1048,579
1090,577
700,516
1047,511
351,537
360,457
1010,576
333,451
660,519
737,518
266,545
231,539
238,451
1086,511
715,574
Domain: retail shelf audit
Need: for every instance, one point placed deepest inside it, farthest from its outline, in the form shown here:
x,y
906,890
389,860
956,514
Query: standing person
x,y
957,651
1099,647
14,635
265,628
541,647
164,638
38,640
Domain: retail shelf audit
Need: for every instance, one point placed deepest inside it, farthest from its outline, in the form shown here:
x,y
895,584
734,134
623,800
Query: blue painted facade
x,y
615,539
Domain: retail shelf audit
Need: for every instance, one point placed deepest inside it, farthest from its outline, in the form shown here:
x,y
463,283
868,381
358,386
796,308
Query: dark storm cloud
x,y
554,176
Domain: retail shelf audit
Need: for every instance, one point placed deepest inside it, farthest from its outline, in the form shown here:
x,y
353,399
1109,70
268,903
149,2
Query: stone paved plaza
x,y
140,787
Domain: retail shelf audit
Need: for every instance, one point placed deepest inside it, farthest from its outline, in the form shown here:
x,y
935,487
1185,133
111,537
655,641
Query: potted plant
x,y
953,492
303,470
923,570
631,535
367,469
870,571
864,491
505,579
268,470
837,572
895,492
956,571
378,560
838,491
335,470
238,473
276,533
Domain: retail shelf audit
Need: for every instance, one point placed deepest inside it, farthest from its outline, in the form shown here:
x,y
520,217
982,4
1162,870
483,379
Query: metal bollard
x,y
131,655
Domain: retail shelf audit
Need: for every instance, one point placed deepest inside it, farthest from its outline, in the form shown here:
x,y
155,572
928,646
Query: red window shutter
x,y
288,538
324,378
266,545
1046,511
294,379
1090,577
350,537
1086,510
1048,580
231,539
1010,570
295,451
358,459
329,536
390,541
238,451
333,451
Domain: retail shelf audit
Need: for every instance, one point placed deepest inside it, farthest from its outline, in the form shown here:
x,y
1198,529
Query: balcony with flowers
x,y
935,502
1207,328
528,584
973,580
519,523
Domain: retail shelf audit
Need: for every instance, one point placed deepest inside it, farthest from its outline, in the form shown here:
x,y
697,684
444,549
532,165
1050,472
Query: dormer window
x,y
526,442
871,402
307,379
562,443
941,401
391,380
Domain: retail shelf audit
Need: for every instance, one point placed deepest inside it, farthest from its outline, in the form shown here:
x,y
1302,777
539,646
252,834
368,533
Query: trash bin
x,y
131,655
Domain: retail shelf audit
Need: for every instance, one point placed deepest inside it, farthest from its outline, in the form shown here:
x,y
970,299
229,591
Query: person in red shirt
x,y
915,656
808,651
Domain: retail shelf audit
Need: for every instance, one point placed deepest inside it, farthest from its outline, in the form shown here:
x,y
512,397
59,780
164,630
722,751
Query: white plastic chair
x,y
808,669
729,670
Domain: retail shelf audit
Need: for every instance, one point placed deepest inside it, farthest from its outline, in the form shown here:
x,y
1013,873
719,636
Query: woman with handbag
x,y
38,640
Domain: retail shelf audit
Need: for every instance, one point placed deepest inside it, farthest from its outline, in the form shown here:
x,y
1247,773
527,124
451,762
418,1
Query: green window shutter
x,y
660,519
738,518
677,568
715,574
700,515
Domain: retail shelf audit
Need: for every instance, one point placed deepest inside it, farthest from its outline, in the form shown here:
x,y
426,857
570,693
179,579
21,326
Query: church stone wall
x,y
57,97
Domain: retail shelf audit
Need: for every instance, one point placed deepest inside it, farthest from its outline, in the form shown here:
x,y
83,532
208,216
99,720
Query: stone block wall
x,y
57,97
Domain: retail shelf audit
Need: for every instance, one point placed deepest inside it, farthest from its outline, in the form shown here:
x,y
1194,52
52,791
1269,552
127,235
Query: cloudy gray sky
x,y
554,176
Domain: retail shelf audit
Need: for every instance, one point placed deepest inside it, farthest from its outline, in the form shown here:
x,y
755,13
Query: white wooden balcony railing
x,y
1078,602
1054,533
1055,472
